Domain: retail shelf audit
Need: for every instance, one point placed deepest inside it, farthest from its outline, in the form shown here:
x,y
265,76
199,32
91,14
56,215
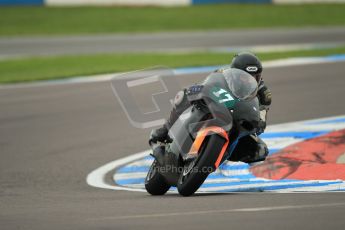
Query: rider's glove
x,y
265,96
160,134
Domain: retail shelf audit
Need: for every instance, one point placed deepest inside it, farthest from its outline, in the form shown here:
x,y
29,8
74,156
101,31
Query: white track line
x,y
259,185
97,177
223,211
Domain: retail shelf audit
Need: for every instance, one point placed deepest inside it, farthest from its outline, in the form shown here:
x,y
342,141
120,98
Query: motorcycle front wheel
x,y
195,172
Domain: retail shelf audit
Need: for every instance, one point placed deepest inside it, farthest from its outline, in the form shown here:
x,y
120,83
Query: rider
x,y
250,148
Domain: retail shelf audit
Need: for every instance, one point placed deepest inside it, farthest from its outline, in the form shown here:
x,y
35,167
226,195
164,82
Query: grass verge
x,y
47,68
98,20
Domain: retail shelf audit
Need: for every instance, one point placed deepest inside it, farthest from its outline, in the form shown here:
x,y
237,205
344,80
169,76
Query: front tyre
x,y
196,172
155,183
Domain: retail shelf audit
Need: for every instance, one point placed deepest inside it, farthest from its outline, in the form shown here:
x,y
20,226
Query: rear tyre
x,y
196,172
155,183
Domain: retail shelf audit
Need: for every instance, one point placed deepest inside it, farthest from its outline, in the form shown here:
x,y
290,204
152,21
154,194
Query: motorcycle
x,y
222,110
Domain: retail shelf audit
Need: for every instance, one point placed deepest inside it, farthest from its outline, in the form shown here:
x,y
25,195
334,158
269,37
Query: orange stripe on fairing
x,y
221,153
201,137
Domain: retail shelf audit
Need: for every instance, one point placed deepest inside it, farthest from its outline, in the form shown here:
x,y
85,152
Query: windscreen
x,y
241,84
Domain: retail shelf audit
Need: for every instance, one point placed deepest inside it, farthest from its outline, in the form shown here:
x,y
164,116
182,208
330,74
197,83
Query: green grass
x,y
98,20
31,69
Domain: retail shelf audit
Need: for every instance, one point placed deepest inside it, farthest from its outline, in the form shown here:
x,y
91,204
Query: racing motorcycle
x,y
223,109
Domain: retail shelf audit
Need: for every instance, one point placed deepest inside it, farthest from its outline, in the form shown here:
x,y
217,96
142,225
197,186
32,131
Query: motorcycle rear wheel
x,y
155,183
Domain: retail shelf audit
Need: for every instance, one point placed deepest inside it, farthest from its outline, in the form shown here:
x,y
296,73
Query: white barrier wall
x,y
118,2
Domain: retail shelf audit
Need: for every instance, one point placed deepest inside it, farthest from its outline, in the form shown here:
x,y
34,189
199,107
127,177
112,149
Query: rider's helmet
x,y
248,62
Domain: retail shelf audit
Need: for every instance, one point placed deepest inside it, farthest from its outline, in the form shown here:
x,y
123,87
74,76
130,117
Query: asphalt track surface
x,y
51,137
169,41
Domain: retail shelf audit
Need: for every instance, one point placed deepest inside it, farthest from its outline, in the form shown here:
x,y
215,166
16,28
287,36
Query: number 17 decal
x,y
223,96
